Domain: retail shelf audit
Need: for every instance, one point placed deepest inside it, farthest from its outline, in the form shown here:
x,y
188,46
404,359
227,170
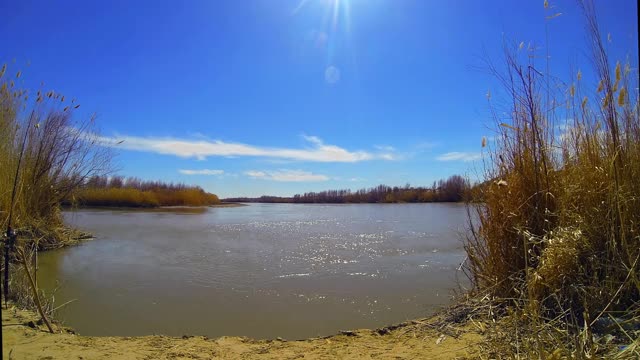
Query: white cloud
x,y
256,174
385,148
287,175
389,157
201,149
201,172
459,156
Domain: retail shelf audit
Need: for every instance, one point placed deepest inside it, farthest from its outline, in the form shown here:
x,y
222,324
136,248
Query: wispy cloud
x,y
385,148
459,156
201,149
287,175
201,172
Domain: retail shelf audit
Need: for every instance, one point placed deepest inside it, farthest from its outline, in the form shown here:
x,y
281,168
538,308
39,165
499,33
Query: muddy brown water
x,y
263,271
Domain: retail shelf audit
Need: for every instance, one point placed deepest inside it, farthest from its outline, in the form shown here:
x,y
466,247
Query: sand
x,y
23,338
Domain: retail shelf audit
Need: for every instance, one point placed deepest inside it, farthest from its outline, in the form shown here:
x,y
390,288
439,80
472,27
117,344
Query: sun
x,y
336,27
333,8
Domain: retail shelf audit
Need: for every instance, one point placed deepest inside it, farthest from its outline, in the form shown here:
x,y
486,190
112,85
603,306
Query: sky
x,y
279,97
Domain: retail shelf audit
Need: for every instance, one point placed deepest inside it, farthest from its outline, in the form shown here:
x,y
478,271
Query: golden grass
x,y
131,197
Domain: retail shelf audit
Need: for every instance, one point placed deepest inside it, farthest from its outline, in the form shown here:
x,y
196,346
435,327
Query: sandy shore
x,y
23,338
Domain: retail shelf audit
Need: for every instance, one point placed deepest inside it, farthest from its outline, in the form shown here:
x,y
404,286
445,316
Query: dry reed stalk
x,y
34,288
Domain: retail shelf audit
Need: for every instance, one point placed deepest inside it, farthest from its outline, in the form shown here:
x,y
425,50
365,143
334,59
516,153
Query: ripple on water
x,y
293,275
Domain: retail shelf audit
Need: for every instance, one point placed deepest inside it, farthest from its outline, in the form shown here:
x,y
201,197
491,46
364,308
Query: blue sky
x,y
285,96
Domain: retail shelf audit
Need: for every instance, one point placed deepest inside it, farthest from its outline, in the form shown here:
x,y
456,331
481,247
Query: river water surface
x,y
263,270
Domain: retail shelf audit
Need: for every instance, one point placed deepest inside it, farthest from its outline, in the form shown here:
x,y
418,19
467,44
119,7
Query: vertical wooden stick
x,y
36,297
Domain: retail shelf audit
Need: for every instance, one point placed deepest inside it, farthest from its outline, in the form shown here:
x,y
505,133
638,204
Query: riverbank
x,y
169,209
23,338
166,208
227,204
50,238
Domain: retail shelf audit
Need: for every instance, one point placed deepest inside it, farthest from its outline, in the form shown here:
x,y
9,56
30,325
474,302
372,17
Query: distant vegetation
x,y
557,244
453,189
132,192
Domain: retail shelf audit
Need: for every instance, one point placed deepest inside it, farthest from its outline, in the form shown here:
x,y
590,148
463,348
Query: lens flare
x,y
332,75
334,35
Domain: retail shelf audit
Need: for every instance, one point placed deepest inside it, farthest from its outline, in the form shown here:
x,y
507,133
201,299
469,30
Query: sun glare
x,y
336,28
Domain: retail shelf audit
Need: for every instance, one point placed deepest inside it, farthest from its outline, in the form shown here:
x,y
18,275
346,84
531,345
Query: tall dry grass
x,y
132,192
558,237
44,155
49,151
131,197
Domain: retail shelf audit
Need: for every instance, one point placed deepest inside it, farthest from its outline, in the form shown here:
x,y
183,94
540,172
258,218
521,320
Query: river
x,y
263,270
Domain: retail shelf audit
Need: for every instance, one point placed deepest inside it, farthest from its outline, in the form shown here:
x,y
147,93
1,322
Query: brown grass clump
x,y
560,261
558,239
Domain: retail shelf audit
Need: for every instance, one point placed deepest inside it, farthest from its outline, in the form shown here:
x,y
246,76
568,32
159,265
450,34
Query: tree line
x,y
453,189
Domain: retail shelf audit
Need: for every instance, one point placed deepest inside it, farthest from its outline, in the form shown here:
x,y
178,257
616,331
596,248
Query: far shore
x,y
228,204
179,208
245,203
201,209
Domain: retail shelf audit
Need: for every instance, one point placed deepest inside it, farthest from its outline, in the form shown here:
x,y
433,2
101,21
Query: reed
x,y
44,155
557,242
59,154
132,192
